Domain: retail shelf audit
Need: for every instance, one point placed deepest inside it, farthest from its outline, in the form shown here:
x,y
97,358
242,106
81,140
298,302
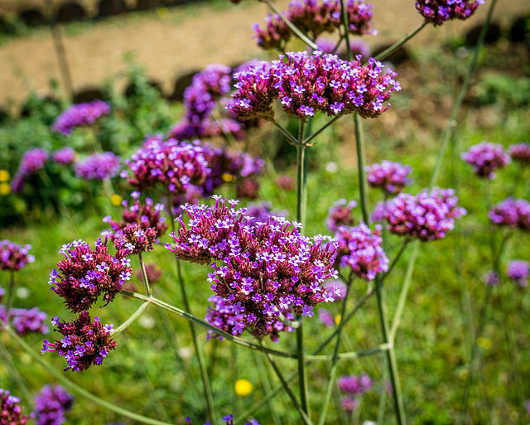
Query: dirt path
x,y
172,42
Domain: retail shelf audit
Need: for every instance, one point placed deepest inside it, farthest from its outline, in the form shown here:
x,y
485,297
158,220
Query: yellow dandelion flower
x,y
4,175
484,343
5,189
338,318
227,177
243,387
116,200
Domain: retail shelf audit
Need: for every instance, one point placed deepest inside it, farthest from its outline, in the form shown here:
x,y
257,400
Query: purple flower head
x,y
518,271
32,161
427,216
392,177
80,115
512,213
51,404
152,271
359,248
349,404
304,83
354,385
229,317
378,214
325,317
336,289
268,270
87,273
275,34
64,156
85,342
99,166
439,11
2,293
486,158
28,321
14,256
325,45
357,47
340,214
11,412
491,278
260,212
520,153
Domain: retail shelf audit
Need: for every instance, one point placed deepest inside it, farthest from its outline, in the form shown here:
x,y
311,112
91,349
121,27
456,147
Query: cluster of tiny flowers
x,y
51,404
10,410
439,11
268,269
227,419
305,83
353,386
87,273
142,225
84,343
26,321
314,17
486,158
230,317
336,289
98,166
427,216
390,176
64,156
80,115
359,248
518,271
512,213
491,278
32,161
14,256
174,165
340,214
260,212
520,153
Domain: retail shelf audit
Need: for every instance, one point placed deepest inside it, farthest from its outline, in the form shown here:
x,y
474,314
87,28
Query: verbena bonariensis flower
x,y
51,405
512,213
87,273
340,214
260,212
427,216
175,166
14,256
28,321
10,410
80,115
269,268
32,161
491,278
224,315
325,317
64,156
336,289
518,271
439,11
389,176
354,385
85,342
486,158
99,166
152,271
359,248
520,153
275,34
349,404
304,84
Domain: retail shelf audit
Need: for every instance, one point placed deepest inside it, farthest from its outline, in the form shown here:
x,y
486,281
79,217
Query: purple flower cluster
x,y
353,386
224,315
518,271
390,176
512,213
99,166
80,115
260,212
357,47
304,84
87,273
32,161
359,248
314,17
520,153
486,158
64,156
14,256
51,405
28,321
268,270
427,216
325,317
152,271
85,342
439,11
10,410
491,278
336,289
340,214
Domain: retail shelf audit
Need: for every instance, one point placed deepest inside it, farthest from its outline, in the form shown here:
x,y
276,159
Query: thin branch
x,y
387,52
132,318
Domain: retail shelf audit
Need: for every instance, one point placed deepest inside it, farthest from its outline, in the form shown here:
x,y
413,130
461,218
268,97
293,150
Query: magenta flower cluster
x,y
389,176
439,11
13,256
518,271
80,115
85,342
305,84
64,156
32,161
360,249
268,269
99,166
353,387
486,158
11,412
520,153
427,216
230,317
26,321
512,213
340,214
51,405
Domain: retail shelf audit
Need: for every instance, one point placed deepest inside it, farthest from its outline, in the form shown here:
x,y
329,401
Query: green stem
x,y
387,52
360,166
290,138
18,377
321,129
144,275
132,318
10,295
